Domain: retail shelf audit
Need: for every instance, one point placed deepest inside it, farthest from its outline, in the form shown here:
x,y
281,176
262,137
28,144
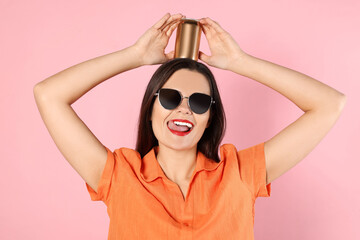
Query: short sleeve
x,y
103,191
252,167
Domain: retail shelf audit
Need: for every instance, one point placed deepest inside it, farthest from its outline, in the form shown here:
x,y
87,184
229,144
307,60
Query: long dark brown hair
x,y
210,140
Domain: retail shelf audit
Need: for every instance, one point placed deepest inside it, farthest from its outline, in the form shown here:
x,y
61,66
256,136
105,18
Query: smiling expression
x,y
187,82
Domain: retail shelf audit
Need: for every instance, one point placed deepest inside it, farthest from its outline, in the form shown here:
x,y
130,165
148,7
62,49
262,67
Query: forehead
x,y
187,82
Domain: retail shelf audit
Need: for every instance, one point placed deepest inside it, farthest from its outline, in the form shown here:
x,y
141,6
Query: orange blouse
x,y
143,203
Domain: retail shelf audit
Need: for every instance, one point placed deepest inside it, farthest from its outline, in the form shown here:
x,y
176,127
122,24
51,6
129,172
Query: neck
x,y
178,165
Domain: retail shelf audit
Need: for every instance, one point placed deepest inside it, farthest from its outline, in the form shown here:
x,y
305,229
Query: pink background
x,y
43,197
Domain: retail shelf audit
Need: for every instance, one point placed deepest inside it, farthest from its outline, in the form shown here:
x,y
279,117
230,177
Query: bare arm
x,y
70,84
307,93
54,95
321,103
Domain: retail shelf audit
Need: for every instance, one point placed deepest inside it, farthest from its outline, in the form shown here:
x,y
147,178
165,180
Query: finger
x,y
203,21
208,32
169,21
172,28
170,55
213,24
203,57
170,25
205,28
162,21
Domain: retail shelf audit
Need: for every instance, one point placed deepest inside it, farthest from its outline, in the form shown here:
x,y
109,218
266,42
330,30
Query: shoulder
x,y
229,149
128,152
128,155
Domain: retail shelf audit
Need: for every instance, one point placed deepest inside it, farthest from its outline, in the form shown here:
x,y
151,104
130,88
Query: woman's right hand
x,y
151,45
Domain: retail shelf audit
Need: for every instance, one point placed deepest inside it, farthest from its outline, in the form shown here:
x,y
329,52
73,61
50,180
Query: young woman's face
x,y
187,82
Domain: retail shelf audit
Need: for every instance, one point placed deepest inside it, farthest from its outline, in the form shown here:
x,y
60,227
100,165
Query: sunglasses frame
x,y
182,97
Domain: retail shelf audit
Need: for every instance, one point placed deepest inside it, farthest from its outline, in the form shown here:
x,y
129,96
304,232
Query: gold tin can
x,y
188,39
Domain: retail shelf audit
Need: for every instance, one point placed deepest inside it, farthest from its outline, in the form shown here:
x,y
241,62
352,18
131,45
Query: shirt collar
x,y
151,169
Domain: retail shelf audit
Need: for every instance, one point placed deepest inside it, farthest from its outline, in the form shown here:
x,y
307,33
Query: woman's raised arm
x,y
54,97
70,84
322,104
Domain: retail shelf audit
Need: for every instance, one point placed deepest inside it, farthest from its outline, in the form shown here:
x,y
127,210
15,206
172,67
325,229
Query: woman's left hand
x,y
224,50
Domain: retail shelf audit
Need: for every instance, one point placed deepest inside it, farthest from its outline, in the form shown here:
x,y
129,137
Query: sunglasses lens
x,y
169,98
199,102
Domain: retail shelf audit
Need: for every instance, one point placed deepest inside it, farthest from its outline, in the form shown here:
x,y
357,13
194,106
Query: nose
x,y
184,106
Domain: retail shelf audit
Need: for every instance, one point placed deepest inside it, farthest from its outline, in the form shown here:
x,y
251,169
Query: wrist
x,y
240,64
137,55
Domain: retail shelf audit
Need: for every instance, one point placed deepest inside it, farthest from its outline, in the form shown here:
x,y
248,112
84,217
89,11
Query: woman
x,y
174,185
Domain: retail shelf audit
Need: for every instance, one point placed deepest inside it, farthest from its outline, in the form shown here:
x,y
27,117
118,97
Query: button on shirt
x,y
143,203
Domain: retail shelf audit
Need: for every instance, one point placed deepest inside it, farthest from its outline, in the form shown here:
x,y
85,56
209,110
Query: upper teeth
x,y
183,124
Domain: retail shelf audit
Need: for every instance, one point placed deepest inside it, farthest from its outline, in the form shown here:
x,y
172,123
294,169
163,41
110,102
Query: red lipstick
x,y
178,132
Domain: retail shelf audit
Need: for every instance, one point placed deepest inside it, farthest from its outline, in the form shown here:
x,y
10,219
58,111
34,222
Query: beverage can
x,y
187,41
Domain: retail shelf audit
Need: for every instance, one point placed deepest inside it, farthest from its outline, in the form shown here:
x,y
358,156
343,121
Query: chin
x,y
179,147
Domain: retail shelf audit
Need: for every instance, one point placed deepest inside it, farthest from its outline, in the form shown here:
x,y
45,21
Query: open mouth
x,y
180,128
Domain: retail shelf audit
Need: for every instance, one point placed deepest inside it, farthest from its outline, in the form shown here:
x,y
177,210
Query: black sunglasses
x,y
198,102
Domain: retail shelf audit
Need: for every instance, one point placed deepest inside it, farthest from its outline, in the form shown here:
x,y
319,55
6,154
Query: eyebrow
x,y
182,92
